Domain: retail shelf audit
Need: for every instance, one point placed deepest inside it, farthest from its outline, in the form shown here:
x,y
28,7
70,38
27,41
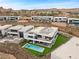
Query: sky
x,y
39,4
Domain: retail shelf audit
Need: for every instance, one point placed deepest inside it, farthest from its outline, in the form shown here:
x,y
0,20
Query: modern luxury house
x,y
60,19
73,21
42,18
4,29
14,30
24,30
9,18
45,36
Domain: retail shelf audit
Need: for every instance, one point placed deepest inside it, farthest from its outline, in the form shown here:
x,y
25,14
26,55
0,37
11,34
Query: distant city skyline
x,y
39,4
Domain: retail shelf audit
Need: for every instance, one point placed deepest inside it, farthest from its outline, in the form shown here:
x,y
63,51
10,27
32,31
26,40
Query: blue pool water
x,y
34,47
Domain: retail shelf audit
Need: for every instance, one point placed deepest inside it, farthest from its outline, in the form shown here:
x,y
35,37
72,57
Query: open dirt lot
x,y
18,52
6,56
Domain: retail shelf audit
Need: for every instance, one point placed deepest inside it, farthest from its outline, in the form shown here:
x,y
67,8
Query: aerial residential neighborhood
x,y
31,29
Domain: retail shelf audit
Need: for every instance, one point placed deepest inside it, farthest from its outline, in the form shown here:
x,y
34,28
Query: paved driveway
x,y
70,50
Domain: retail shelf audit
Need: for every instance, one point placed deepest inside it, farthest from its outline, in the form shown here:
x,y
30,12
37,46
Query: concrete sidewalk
x,y
70,50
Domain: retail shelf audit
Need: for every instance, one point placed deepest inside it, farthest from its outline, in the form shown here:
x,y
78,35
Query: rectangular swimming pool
x,y
34,47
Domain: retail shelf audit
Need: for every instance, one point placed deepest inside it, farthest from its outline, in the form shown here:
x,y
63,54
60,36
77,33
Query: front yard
x,y
61,39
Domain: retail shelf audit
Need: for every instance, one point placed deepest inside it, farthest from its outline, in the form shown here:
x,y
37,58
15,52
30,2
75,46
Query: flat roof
x,y
18,27
42,16
48,31
26,28
45,31
60,17
10,16
37,29
69,50
5,27
73,18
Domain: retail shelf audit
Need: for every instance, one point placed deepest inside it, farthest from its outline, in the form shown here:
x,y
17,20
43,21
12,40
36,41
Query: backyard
x,y
61,39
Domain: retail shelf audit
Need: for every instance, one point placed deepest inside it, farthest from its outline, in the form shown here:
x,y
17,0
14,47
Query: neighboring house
x,y
24,30
49,19
14,30
66,20
9,18
45,36
42,18
3,30
61,19
73,21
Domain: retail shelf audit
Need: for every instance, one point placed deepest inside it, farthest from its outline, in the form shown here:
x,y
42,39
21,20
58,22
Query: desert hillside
x,y
74,12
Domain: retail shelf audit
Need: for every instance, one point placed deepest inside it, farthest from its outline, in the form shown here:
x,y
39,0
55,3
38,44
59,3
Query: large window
x,y
59,18
16,18
13,30
48,38
21,34
0,33
70,21
39,36
32,18
75,21
56,19
49,18
30,36
4,18
12,19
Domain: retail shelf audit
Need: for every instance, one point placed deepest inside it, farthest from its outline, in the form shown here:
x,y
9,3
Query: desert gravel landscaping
x,y
6,56
18,52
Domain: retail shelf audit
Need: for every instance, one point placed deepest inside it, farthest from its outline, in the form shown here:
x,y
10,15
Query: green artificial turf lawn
x,y
61,39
